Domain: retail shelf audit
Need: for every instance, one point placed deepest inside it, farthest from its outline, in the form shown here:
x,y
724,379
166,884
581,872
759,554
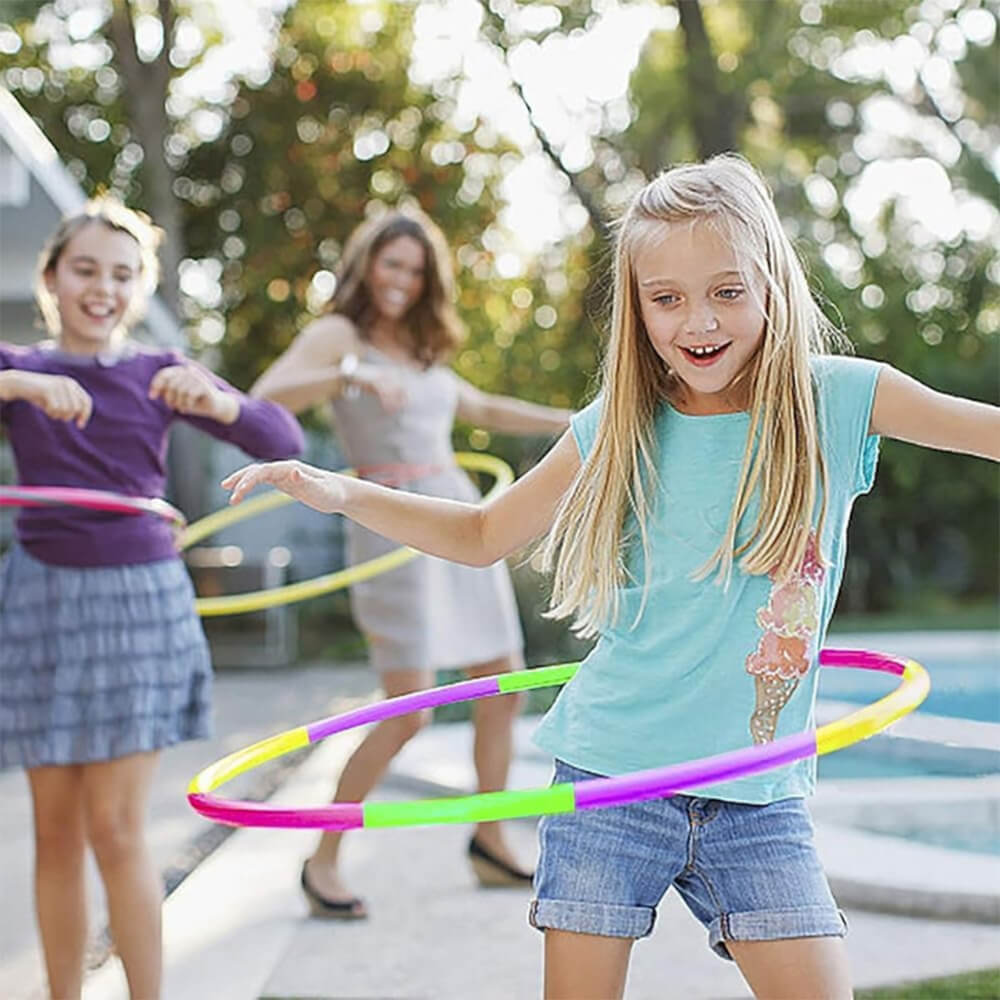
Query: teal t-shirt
x,y
709,668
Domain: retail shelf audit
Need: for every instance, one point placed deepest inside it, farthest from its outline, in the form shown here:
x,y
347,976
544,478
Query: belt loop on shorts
x,y
703,811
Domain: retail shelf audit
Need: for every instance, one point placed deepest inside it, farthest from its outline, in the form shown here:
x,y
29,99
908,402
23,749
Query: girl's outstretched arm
x,y
475,534
910,411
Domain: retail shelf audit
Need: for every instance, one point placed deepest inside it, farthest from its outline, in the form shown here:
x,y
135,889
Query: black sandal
x,y
494,872
331,909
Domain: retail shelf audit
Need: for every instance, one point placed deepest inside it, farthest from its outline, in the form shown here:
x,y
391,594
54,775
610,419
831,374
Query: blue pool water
x,y
965,688
978,839
962,687
868,760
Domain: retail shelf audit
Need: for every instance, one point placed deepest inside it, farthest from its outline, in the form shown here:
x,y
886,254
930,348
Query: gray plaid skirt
x,y
98,663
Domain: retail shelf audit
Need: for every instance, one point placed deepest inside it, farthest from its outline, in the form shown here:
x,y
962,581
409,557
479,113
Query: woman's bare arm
x,y
309,371
508,414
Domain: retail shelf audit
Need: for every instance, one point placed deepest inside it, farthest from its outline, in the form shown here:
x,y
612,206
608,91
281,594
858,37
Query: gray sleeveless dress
x,y
429,614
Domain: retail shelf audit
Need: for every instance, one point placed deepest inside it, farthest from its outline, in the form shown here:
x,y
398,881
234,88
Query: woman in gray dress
x,y
379,356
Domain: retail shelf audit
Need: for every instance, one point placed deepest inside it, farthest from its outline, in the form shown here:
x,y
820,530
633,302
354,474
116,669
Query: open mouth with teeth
x,y
705,354
97,312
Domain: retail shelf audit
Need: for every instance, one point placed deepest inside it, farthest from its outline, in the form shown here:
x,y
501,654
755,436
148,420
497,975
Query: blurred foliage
x,y
60,61
833,100
830,100
354,135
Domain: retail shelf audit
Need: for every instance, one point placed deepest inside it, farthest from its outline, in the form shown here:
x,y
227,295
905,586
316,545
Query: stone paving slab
x,y
249,705
238,928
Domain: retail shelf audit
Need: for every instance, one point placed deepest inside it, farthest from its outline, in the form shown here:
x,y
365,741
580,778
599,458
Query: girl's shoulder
x,y
843,380
337,329
19,355
845,394
326,339
131,358
841,369
584,424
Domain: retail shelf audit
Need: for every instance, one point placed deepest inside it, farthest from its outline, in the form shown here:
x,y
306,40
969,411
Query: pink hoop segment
x,y
594,794
72,496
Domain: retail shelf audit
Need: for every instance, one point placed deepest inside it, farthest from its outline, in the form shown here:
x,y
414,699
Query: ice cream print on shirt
x,y
782,658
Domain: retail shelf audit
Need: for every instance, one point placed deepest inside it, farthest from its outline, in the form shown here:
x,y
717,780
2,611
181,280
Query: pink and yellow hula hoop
x,y
188,535
594,794
303,590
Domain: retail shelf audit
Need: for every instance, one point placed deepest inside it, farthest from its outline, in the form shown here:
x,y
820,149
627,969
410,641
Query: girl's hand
x,y
385,387
323,491
190,391
57,396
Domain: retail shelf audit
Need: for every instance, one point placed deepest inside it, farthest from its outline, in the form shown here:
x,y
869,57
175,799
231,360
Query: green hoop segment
x,y
597,793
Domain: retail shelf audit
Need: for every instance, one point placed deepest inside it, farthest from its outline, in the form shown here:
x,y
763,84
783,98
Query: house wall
x,y
27,216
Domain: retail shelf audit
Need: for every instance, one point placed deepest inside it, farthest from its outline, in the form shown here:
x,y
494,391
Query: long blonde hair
x,y
432,319
782,463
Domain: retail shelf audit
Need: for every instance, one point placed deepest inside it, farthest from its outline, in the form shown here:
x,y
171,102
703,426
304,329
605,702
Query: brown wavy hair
x,y
432,319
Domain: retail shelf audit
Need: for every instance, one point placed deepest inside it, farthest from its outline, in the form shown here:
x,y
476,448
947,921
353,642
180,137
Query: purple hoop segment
x,y
597,793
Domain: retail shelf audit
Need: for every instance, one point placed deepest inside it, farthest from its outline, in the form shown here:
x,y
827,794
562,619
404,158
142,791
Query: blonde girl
x,y
103,661
696,516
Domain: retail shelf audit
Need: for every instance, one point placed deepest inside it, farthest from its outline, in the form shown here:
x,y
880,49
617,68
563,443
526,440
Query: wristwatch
x,y
346,370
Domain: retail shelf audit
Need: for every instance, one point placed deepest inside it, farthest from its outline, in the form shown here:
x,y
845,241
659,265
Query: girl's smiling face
x,y
702,313
93,283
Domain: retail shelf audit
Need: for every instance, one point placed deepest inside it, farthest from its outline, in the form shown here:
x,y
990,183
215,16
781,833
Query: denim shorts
x,y
747,872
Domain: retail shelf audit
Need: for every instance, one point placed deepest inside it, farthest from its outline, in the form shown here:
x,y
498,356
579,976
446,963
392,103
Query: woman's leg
x,y
789,969
60,882
493,720
586,966
364,769
116,793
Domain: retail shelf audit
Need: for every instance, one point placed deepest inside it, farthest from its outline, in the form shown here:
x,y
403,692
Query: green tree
x,y
852,109
337,130
104,78
855,110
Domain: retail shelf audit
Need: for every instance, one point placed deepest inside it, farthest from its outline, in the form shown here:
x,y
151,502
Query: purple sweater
x,y
122,449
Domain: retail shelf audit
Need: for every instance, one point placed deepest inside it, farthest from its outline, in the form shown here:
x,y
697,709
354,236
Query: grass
x,y
984,985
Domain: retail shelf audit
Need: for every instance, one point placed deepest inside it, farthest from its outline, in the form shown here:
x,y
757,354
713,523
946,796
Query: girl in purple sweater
x,y
103,661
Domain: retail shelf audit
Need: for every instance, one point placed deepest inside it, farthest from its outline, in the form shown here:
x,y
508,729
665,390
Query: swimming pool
x,y
979,838
965,685
880,759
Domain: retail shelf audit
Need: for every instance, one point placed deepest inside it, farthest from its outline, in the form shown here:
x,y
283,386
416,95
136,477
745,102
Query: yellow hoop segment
x,y
258,600
871,719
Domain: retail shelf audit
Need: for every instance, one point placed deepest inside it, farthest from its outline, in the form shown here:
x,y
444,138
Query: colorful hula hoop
x,y
592,794
71,496
257,600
